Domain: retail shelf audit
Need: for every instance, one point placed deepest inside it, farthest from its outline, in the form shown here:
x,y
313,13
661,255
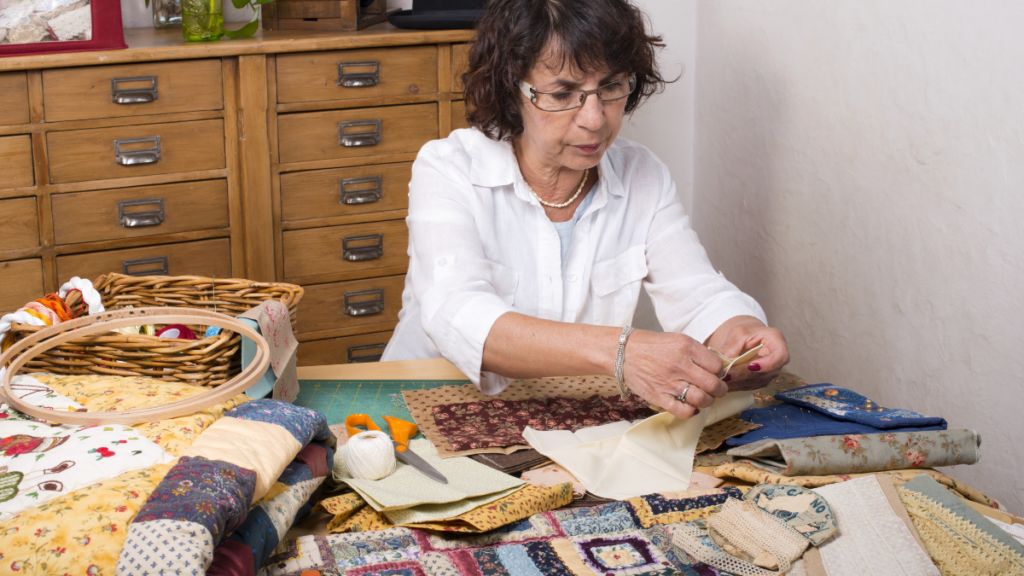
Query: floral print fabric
x,y
749,473
838,402
77,533
102,393
351,513
858,453
498,423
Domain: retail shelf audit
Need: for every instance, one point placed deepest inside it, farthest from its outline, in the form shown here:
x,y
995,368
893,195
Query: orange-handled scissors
x,y
401,432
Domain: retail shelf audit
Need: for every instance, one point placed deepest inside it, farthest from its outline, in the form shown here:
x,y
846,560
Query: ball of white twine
x,y
370,455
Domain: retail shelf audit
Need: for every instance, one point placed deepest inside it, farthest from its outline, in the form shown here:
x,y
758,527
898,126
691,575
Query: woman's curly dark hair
x,y
589,34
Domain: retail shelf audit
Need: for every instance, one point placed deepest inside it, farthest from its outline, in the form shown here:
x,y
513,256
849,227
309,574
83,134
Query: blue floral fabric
x,y
211,493
782,421
843,404
304,424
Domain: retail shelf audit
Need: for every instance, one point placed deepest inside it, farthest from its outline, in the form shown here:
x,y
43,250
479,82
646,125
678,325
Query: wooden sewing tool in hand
x,y
401,432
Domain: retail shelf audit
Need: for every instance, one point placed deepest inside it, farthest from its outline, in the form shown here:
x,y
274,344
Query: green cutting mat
x,y
336,399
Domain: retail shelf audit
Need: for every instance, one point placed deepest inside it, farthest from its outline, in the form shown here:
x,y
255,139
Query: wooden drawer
x,y
342,306
16,162
14,96
204,258
320,251
362,348
23,283
132,90
460,62
345,191
459,115
142,211
19,224
80,155
317,135
384,72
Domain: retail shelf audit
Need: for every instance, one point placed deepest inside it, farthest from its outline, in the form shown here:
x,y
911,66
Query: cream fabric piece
x,y
231,440
624,460
409,487
871,539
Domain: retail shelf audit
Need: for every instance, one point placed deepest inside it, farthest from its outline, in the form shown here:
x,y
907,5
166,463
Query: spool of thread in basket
x,y
176,331
370,455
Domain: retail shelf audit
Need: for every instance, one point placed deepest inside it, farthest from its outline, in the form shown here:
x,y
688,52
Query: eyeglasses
x,y
572,99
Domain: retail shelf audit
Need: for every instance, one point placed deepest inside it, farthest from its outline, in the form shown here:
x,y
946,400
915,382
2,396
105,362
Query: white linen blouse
x,y
480,245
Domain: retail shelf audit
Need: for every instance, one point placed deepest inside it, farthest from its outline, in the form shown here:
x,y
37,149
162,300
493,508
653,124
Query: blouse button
x,y
442,261
572,277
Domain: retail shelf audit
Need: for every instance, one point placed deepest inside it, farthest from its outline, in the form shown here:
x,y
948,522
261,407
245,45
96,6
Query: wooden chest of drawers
x,y
284,158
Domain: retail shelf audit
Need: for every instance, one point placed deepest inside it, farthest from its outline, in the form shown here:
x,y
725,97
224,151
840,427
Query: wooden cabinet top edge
x,y
149,45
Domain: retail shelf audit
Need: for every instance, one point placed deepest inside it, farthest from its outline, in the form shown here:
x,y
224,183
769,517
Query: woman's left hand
x,y
741,334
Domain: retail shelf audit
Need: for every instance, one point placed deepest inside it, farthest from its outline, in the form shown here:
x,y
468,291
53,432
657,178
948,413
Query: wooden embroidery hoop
x,y
104,321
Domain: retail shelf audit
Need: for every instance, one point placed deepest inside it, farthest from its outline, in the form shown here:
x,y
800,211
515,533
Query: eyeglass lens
x,y
569,99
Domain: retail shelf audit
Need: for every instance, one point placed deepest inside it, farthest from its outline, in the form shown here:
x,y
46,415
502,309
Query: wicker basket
x,y
206,361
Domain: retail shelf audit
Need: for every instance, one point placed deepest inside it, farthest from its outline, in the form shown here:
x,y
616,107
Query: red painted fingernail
x,y
755,367
727,378
696,411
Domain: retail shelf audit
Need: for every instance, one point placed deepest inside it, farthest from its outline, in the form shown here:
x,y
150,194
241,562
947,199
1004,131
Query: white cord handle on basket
x,y
86,326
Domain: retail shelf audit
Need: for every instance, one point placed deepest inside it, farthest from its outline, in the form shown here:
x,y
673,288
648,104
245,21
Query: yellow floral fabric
x,y
112,393
78,533
351,514
755,475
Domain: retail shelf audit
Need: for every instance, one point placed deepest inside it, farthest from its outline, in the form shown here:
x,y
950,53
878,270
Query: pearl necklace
x,y
567,202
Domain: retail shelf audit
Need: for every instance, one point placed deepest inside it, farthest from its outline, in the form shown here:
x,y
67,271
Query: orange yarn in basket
x,y
59,307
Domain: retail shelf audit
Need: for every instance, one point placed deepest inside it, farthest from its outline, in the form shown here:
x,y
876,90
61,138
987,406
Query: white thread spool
x,y
369,455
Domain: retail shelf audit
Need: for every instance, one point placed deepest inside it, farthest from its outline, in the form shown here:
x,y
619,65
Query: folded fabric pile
x,y
215,490
407,496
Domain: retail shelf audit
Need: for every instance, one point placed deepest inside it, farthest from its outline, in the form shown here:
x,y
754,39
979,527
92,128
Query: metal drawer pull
x,y
358,79
365,252
353,359
362,195
140,218
349,139
149,155
364,307
133,95
126,266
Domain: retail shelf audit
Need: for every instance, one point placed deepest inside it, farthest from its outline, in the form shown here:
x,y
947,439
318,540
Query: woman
x,y
532,232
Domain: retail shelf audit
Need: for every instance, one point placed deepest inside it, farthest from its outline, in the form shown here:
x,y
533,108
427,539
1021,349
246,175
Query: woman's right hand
x,y
659,366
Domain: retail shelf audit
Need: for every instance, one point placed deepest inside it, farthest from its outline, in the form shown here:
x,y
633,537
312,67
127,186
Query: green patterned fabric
x,y
860,453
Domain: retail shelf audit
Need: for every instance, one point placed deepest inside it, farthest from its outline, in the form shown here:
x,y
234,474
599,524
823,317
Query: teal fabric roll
x,y
861,453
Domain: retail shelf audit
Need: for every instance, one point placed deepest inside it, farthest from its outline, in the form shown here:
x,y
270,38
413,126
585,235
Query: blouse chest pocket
x,y
616,286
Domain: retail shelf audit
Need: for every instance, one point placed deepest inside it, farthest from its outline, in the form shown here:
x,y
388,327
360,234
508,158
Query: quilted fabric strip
x,y
166,547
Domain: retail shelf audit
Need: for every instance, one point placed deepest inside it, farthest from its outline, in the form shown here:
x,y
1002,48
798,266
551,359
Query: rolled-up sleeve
x,y
689,295
459,291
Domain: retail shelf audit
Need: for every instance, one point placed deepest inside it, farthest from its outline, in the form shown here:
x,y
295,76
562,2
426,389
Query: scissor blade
x,y
413,459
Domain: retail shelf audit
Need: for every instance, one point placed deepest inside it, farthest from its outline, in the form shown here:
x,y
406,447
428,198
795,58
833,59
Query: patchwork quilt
x,y
213,492
629,538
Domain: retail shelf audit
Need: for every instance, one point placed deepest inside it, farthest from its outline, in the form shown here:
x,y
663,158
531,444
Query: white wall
x,y
859,169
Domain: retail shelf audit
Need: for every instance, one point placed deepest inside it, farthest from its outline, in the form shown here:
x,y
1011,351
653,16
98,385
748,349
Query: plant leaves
x,y
240,3
245,31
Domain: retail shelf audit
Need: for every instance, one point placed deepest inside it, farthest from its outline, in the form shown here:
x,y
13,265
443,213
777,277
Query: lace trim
x,y
752,531
871,538
956,545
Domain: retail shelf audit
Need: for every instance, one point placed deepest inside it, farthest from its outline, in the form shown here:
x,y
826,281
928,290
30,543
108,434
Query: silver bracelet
x,y
620,359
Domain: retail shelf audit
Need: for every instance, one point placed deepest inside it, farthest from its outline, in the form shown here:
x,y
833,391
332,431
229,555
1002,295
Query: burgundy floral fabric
x,y
499,423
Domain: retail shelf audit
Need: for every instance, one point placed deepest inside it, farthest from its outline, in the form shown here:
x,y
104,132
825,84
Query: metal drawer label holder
x,y
350,139
362,195
364,307
140,218
353,359
141,95
127,265
364,252
358,79
150,155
